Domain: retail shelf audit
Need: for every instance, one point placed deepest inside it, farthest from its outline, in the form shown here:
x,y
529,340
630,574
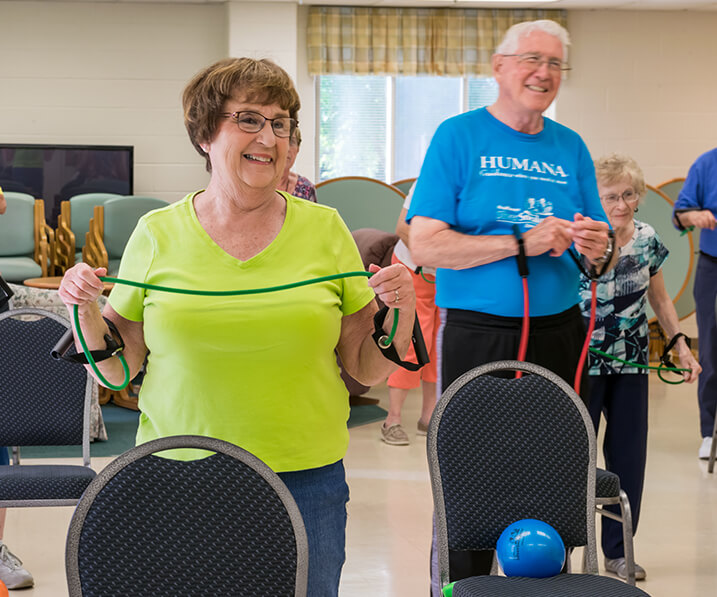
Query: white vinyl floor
x,y
389,527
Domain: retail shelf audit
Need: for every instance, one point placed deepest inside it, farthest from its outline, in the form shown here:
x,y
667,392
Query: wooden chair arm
x,y
64,240
94,252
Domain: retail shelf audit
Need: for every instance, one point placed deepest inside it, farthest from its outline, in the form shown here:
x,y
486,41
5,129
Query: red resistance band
x,y
525,328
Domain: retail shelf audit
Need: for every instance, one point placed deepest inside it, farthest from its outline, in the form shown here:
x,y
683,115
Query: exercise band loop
x,y
125,383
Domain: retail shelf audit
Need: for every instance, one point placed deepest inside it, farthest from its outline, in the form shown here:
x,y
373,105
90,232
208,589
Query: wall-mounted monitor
x,y
57,172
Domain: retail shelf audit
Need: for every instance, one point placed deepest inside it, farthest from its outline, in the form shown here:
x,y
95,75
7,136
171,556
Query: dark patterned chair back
x,y
502,449
154,526
42,401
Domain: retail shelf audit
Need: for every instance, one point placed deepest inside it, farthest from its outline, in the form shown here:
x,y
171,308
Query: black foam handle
x,y
63,345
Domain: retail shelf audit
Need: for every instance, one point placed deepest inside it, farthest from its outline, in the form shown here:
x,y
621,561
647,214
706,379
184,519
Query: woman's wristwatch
x,y
609,250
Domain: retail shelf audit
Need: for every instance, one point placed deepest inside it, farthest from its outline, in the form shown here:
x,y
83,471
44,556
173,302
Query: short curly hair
x,y
615,167
254,81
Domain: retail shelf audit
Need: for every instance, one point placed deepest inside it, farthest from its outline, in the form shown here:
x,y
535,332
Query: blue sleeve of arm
x,y
437,187
592,207
690,195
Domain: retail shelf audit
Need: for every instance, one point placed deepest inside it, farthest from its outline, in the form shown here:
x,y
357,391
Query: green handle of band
x,y
660,368
189,291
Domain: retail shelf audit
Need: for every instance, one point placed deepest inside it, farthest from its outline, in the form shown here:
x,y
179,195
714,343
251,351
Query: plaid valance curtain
x,y
410,41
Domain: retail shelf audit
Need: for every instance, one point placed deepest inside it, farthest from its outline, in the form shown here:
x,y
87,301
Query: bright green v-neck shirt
x,y
258,370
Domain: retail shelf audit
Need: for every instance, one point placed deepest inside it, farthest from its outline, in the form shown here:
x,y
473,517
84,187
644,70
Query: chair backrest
x,y
502,449
44,401
81,207
685,301
678,269
17,236
362,202
672,187
220,525
404,185
120,218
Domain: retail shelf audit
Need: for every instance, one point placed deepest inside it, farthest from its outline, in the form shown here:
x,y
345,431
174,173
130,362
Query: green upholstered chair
x,y
671,188
656,210
362,202
111,227
404,185
685,302
73,224
26,242
679,267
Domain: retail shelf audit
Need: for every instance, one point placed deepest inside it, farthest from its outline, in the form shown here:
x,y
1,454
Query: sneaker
x,y
619,566
11,571
394,435
422,428
705,448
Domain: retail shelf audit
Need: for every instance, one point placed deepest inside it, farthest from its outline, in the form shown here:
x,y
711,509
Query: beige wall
x,y
643,83
107,73
112,73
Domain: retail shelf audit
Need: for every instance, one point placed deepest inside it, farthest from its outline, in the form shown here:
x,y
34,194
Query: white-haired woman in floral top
x,y
619,390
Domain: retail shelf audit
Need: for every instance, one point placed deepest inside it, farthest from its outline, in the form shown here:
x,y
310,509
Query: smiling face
x,y
253,160
524,90
619,213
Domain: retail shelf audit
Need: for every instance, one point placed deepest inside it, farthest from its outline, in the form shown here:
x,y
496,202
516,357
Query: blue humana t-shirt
x,y
482,177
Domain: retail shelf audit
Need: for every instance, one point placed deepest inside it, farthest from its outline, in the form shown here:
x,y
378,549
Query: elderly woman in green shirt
x,y
258,370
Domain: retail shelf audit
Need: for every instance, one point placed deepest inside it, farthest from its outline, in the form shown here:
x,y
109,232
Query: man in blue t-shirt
x,y
697,206
485,173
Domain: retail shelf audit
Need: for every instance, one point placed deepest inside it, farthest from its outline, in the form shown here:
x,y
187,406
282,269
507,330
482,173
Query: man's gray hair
x,y
512,38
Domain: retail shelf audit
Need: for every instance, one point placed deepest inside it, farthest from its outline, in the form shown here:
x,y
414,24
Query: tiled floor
x,y
390,512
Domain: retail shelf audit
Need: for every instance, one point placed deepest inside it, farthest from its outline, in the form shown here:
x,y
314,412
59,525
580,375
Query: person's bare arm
x,y
362,359
702,218
3,203
81,286
402,227
664,308
434,244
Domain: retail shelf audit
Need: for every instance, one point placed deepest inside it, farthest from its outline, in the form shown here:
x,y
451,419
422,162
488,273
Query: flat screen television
x,y
57,172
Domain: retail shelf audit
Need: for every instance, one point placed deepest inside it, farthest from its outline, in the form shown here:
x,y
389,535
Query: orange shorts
x,y
428,317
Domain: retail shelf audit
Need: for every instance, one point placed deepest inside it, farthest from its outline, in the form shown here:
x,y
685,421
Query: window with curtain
x,y
387,77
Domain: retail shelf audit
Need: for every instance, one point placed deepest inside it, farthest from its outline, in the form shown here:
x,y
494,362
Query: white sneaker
x,y
11,571
705,448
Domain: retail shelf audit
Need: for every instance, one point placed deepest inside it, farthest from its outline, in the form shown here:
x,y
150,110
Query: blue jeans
x,y
321,495
4,456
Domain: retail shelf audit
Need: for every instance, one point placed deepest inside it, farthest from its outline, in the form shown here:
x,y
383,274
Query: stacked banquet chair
x,y
27,243
148,524
502,449
73,224
45,402
111,226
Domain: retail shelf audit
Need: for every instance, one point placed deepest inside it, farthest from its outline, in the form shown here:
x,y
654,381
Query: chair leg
x,y
711,465
627,537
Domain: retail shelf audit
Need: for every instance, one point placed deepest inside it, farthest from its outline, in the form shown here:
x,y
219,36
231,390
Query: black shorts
x,y
471,339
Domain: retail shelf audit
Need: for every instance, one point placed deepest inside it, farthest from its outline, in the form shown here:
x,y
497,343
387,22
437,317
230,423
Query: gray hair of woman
x,y
512,37
615,167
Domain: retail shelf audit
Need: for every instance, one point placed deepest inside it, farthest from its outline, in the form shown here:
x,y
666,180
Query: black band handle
x,y
520,257
419,346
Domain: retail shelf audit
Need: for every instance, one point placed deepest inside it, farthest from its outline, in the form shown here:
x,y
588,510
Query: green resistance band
x,y
659,368
126,381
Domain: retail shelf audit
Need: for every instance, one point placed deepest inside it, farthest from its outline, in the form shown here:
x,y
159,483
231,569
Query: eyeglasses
x,y
534,61
630,197
253,122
